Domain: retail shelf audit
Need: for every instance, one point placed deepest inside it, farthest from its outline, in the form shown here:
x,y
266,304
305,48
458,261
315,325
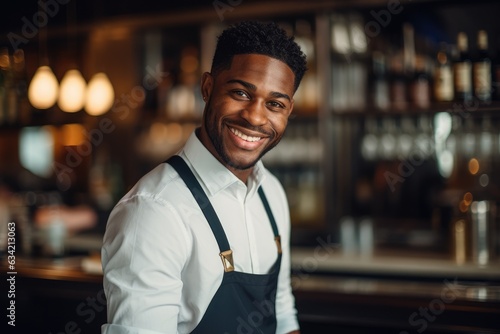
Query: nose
x,y
255,113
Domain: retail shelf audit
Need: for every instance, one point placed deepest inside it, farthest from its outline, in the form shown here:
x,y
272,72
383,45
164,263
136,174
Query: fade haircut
x,y
251,37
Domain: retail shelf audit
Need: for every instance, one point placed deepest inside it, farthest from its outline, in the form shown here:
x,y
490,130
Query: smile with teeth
x,y
244,136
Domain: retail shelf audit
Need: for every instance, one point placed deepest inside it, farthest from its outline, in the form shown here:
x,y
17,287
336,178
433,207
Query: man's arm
x,y
144,250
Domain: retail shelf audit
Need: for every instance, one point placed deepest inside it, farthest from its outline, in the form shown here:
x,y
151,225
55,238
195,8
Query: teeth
x,y
244,136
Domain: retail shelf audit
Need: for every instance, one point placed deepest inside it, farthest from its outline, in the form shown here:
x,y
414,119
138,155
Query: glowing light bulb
x,y
72,91
100,95
43,88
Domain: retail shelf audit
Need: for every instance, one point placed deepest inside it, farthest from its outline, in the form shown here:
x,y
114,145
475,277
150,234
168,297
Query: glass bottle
x,y
481,69
420,84
463,70
380,85
496,73
443,76
398,83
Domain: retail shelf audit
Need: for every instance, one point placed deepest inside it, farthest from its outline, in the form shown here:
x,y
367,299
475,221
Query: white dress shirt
x,y
161,260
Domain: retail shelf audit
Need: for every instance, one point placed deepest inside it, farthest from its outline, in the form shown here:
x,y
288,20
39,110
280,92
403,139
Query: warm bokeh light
x,y
463,206
157,132
473,166
465,202
72,134
72,91
189,64
468,198
43,88
100,95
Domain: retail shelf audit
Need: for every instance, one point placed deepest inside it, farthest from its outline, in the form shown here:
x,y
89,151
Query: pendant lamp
x,y
43,88
100,95
72,91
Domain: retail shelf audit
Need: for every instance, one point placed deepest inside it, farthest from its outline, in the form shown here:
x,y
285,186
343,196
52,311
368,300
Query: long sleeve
x,y
143,254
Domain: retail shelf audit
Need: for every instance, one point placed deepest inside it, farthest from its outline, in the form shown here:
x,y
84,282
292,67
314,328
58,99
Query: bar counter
x,y
394,293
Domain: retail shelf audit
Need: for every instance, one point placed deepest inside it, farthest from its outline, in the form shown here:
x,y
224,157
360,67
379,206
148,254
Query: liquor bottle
x,y
496,73
420,83
398,83
306,97
443,76
380,84
463,70
481,69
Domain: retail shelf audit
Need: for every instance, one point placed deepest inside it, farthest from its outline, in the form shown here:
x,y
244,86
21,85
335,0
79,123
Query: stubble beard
x,y
214,130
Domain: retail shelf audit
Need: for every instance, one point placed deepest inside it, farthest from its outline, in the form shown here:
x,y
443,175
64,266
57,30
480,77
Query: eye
x,y
276,105
240,93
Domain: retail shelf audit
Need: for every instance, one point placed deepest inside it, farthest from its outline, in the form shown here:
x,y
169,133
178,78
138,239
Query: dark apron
x,y
244,303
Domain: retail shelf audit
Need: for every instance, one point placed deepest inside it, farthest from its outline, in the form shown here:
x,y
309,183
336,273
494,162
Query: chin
x,y
241,164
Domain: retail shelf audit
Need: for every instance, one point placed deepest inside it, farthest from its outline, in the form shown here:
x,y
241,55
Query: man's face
x,y
247,109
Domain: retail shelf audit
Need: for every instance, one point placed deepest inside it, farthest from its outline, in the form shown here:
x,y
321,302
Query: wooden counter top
x,y
71,269
390,264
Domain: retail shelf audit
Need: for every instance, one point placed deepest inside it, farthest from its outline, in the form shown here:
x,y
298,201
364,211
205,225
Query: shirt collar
x,y
214,176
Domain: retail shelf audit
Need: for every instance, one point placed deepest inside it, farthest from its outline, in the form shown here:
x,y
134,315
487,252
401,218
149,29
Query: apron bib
x,y
244,303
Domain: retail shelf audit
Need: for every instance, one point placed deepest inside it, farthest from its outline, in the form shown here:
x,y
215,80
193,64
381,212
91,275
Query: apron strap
x,y
277,237
194,186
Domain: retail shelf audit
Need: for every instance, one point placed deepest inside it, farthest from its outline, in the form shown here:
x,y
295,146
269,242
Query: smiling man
x,y
201,243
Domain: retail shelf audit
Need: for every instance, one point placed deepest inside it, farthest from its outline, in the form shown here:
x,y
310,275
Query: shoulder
x,y
161,187
150,216
157,201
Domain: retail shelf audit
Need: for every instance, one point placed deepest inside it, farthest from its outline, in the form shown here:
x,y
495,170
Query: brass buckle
x,y
278,243
227,260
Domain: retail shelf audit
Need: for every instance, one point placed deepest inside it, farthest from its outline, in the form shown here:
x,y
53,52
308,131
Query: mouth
x,y
243,136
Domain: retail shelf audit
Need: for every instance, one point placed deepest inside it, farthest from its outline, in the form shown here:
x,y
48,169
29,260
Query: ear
x,y
207,84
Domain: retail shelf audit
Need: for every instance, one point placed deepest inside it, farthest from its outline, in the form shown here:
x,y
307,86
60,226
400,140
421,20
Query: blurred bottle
x,y
358,66
306,97
420,83
459,240
462,69
496,73
483,215
398,83
380,84
184,99
443,75
308,200
370,141
482,69
341,51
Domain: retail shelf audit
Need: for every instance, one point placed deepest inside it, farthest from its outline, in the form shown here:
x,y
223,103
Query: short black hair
x,y
253,37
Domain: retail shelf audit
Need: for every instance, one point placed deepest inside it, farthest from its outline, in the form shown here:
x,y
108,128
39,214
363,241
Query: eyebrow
x,y
252,87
